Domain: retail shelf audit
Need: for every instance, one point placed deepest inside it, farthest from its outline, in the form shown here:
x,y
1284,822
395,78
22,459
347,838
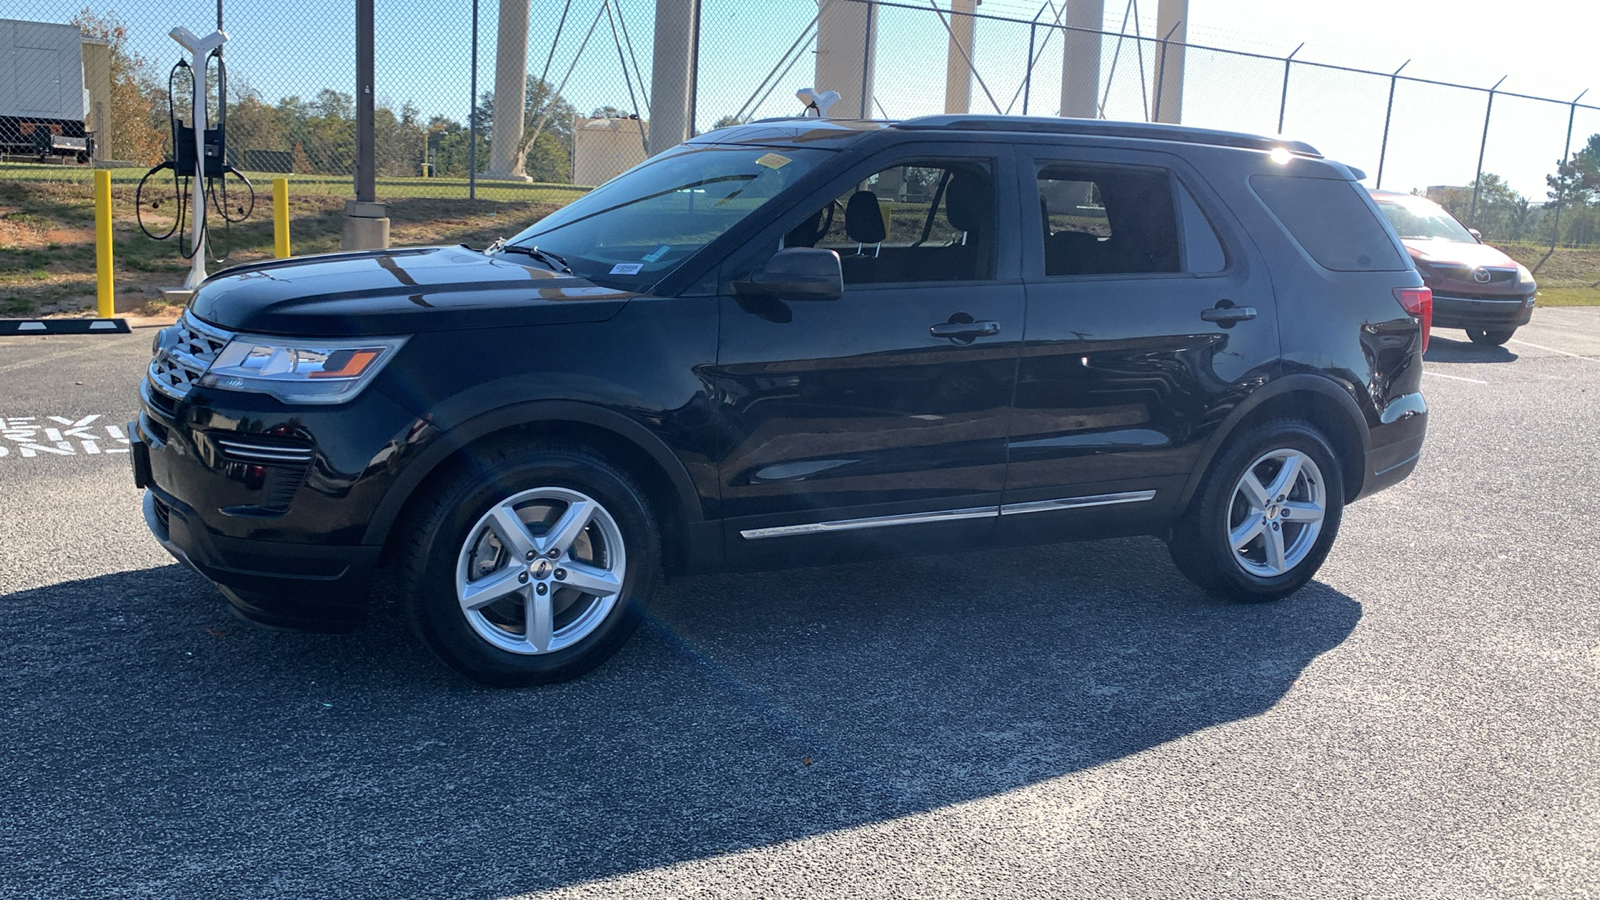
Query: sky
x,y
1543,47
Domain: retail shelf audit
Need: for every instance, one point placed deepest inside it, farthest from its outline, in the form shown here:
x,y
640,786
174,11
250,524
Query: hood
x,y
1455,269
398,292
1459,254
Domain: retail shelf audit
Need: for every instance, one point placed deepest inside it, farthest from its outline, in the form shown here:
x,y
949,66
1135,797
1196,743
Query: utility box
x,y
602,149
41,89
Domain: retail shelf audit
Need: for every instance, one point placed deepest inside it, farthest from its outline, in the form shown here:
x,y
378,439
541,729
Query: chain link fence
x,y
102,83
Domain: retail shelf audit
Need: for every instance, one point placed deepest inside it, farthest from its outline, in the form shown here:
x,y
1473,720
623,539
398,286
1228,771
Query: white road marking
x,y
1452,377
30,438
1554,350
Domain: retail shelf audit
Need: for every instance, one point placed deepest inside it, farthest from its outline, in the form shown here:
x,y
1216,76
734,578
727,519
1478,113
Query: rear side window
x,y
1331,220
1107,220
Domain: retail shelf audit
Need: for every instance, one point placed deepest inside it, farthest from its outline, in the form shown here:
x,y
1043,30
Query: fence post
x,y
280,218
1383,149
105,288
472,117
1477,180
1283,101
1561,195
1027,78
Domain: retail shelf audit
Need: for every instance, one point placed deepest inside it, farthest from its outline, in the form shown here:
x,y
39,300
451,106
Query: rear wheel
x,y
1490,337
1265,516
528,567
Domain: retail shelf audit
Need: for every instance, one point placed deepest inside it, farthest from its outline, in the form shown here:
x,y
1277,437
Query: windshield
x,y
636,228
1421,219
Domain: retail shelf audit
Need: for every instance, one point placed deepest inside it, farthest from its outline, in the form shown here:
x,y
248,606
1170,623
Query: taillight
x,y
1419,303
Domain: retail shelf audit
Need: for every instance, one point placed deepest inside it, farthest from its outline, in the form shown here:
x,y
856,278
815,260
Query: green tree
x,y
138,115
542,105
1576,186
1502,213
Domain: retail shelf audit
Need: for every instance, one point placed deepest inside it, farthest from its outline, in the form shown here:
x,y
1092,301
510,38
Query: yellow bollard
x,y
280,218
105,291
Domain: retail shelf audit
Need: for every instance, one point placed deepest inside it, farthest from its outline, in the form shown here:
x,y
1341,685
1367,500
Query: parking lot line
x,y
1554,350
1453,377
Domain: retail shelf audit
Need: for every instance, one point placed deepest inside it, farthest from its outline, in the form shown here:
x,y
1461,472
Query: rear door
x,y
1149,316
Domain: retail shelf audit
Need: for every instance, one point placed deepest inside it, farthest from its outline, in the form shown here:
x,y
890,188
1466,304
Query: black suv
x,y
789,342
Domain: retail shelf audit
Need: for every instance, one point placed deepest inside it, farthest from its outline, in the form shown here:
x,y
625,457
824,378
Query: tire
x,y
1490,337
543,532
1302,527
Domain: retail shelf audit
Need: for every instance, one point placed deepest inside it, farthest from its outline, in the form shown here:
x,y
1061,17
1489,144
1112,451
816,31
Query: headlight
x,y
300,371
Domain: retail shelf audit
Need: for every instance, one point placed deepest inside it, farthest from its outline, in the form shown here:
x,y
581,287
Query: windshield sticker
x,y
657,253
774,161
627,268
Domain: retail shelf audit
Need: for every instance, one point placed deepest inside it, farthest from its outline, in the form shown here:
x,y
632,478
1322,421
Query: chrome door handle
x,y
1229,314
964,330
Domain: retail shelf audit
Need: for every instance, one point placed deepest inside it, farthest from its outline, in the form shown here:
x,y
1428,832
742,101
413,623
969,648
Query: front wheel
x,y
1490,337
528,566
1265,516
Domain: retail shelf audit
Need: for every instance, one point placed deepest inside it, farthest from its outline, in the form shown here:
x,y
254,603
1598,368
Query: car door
x,y
878,417
1149,314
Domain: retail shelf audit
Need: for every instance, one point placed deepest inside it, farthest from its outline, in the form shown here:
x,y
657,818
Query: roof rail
x,y
1154,131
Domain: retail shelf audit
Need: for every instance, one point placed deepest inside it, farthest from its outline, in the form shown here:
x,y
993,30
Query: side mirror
x,y
796,273
1476,234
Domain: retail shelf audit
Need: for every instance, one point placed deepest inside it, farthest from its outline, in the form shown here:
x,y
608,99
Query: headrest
x,y
966,202
863,219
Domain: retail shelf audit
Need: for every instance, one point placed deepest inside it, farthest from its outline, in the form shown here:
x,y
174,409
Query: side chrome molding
x,y
949,515
1014,509
944,515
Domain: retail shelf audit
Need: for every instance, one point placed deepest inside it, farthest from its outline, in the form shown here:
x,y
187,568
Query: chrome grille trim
x,y
246,450
185,351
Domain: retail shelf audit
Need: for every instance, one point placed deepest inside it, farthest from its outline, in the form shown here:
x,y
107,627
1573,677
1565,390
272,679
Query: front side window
x,y
635,229
915,222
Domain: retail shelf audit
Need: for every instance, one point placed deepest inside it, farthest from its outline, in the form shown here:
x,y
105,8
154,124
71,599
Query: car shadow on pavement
x,y
1452,351
177,751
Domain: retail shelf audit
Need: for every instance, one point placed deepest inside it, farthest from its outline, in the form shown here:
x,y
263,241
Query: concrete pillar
x,y
1080,61
97,80
1172,16
847,50
957,66
510,91
672,73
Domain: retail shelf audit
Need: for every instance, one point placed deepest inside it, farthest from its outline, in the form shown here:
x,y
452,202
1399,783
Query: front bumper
x,y
1451,311
270,503
277,585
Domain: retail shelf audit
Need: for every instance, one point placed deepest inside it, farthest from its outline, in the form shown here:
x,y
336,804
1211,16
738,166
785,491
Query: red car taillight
x,y
1419,303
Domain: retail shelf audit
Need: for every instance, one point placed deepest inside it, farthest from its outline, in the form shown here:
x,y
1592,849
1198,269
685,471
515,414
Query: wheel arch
x,y
1319,401
621,440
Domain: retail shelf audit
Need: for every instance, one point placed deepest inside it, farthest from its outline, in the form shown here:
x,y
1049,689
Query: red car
x,y
1475,286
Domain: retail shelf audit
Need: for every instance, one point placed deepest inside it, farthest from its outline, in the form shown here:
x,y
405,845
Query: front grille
x,y
163,515
183,353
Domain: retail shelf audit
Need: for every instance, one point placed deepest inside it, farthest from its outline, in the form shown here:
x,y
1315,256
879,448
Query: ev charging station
x,y
200,50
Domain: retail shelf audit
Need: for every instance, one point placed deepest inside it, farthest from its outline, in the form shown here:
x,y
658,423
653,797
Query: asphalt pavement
x,y
1073,721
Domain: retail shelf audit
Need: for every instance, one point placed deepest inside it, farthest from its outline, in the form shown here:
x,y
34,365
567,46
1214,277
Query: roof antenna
x,y
817,102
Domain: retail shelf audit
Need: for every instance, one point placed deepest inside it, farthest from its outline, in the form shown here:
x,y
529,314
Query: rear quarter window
x,y
1332,221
